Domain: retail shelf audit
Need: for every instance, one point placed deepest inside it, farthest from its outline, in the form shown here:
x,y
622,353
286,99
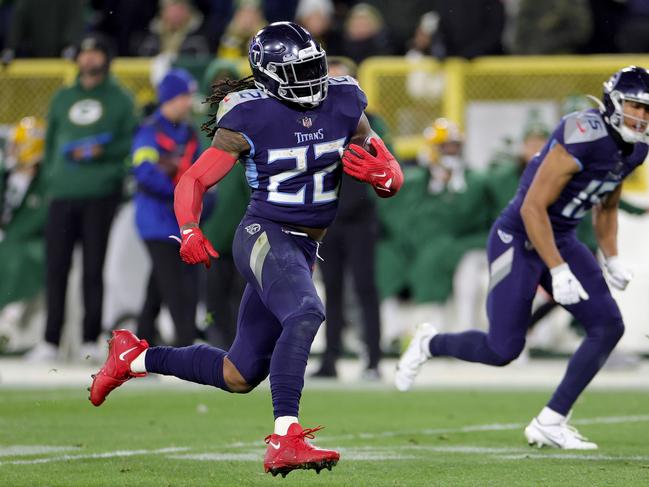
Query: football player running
x,y
288,124
533,242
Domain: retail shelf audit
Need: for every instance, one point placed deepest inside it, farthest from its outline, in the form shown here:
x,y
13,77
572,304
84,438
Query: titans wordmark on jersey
x,y
603,166
294,165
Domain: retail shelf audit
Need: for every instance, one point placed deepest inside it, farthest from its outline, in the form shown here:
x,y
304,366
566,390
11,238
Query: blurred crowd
x,y
98,165
440,28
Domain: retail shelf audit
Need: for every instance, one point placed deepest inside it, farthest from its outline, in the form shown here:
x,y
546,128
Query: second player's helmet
x,y
289,64
628,84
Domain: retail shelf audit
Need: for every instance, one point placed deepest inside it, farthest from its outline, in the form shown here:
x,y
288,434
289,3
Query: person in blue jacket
x,y
165,146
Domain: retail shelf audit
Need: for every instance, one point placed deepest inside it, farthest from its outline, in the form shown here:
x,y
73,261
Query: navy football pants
x,y
279,316
516,270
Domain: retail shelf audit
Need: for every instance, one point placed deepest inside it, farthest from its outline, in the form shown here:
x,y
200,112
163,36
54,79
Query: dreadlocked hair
x,y
221,89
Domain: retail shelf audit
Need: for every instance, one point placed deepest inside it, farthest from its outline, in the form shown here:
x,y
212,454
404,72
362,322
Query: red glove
x,y
195,248
382,171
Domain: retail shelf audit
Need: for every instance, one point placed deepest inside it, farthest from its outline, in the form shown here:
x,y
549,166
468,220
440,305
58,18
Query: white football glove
x,y
566,289
617,274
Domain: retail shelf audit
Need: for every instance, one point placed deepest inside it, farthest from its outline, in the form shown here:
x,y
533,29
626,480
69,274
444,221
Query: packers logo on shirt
x,y
85,112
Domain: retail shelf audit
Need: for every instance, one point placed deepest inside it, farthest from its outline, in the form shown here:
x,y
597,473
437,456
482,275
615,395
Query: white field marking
x,y
463,429
520,453
219,457
373,455
377,456
573,456
400,453
25,450
513,426
481,450
640,418
110,454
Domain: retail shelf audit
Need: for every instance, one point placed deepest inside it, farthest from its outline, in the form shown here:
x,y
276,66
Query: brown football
x,y
364,143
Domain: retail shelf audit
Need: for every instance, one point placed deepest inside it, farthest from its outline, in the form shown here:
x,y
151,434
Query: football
x,y
364,142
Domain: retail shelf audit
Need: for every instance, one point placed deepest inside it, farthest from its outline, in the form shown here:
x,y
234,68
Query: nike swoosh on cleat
x,y
123,354
274,445
558,440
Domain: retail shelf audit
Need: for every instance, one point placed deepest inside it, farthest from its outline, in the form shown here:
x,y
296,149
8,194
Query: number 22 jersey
x,y
293,166
603,163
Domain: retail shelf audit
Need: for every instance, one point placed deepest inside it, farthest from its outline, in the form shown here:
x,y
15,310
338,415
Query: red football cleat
x,y
123,348
292,451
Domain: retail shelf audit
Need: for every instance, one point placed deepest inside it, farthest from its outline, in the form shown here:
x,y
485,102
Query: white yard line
x,y
26,450
375,455
573,456
369,453
514,426
463,429
414,452
111,454
220,457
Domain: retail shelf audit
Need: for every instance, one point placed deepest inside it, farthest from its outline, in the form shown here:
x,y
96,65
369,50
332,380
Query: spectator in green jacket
x,y
438,218
449,221
90,127
22,222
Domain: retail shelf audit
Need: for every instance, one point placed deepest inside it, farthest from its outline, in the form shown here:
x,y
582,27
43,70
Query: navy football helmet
x,y
628,84
289,64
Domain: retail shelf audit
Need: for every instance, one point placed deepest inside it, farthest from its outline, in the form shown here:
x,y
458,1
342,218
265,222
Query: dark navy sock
x,y
583,366
470,346
288,363
197,363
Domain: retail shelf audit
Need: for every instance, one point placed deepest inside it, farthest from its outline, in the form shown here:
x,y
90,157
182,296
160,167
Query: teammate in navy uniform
x,y
289,125
533,242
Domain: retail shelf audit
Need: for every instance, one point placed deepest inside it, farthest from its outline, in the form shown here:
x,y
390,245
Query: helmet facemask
x,y
627,133
301,79
628,85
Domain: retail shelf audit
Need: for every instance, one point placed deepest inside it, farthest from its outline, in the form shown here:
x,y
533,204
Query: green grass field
x,y
149,436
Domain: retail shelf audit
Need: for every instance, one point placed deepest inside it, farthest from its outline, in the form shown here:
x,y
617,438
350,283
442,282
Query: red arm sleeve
x,y
209,169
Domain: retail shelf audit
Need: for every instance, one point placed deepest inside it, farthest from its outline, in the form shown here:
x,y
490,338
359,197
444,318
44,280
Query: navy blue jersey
x,y
293,166
603,166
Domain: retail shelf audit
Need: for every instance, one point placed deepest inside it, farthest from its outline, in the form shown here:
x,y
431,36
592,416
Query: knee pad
x,y
304,327
309,306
